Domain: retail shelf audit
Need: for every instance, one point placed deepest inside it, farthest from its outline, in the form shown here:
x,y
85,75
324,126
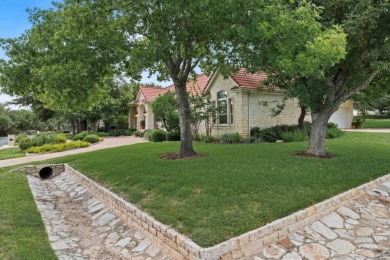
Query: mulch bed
x,y
305,154
175,156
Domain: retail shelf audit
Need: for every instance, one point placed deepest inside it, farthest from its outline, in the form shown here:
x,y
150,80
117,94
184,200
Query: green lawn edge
x,y
22,232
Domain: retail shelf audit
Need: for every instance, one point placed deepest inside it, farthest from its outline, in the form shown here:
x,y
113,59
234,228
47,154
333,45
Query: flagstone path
x,y
82,227
359,230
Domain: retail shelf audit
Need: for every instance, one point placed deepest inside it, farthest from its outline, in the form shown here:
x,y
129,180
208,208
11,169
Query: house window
x,y
214,114
231,110
222,107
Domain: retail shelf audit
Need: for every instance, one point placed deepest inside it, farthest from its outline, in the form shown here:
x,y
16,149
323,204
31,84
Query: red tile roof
x,y
194,87
150,93
248,80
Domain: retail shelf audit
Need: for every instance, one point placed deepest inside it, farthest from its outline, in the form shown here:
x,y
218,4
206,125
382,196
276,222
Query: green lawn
x,y
22,233
11,153
236,188
376,123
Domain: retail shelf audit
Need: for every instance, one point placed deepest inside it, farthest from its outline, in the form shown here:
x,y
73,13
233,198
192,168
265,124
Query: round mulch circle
x,y
175,156
305,154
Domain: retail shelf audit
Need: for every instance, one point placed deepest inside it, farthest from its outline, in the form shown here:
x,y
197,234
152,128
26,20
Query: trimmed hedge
x,y
49,148
91,139
173,136
157,136
275,133
231,138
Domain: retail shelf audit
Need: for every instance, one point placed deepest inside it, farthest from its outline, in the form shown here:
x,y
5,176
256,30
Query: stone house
x,y
240,104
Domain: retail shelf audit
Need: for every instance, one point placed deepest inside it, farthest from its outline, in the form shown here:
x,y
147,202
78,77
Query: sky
x,y
14,21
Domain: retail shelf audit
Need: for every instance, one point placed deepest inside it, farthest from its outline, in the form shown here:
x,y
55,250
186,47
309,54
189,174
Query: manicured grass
x,y
236,188
22,233
376,123
11,153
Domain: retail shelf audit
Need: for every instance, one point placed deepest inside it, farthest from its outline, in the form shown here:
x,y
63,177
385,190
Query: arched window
x,y
222,107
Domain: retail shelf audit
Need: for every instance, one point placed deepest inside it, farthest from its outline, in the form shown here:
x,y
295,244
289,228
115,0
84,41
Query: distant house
x,y
240,103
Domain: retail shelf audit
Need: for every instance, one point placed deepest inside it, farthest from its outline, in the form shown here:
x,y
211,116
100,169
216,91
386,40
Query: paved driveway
x,y
108,142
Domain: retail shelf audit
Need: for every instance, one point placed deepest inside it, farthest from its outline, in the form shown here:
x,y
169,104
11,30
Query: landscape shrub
x,y
231,138
255,131
137,133
117,132
173,136
102,134
141,134
25,143
80,136
272,134
296,136
41,139
130,131
157,136
19,137
253,140
147,134
332,133
59,138
46,148
91,139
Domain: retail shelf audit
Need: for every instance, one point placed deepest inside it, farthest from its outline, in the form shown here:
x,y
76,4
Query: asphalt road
x,y
3,141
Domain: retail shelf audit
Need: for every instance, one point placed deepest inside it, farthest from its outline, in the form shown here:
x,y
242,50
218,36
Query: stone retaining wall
x,y
242,246
34,169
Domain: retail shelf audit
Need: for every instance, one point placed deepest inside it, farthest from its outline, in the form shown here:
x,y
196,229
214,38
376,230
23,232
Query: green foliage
x,y
289,132
231,138
332,133
141,134
91,139
80,136
101,134
165,110
147,134
19,137
357,122
22,231
137,133
117,132
296,136
157,136
173,136
41,139
130,131
51,148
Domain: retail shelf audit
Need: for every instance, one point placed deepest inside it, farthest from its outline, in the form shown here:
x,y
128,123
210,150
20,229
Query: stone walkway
x,y
81,227
108,142
359,230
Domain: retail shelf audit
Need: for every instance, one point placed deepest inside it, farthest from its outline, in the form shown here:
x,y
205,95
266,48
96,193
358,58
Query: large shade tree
x,y
351,48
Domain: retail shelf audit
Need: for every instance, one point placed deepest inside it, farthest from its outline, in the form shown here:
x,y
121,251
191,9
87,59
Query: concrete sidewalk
x,y
369,130
108,142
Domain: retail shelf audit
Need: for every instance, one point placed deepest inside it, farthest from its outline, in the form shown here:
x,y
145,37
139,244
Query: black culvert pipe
x,y
45,173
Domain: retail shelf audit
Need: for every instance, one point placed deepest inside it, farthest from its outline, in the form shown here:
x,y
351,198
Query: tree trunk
x,y
73,126
186,148
301,120
318,131
93,125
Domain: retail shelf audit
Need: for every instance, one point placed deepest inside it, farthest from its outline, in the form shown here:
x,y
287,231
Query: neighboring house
x,y
240,103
